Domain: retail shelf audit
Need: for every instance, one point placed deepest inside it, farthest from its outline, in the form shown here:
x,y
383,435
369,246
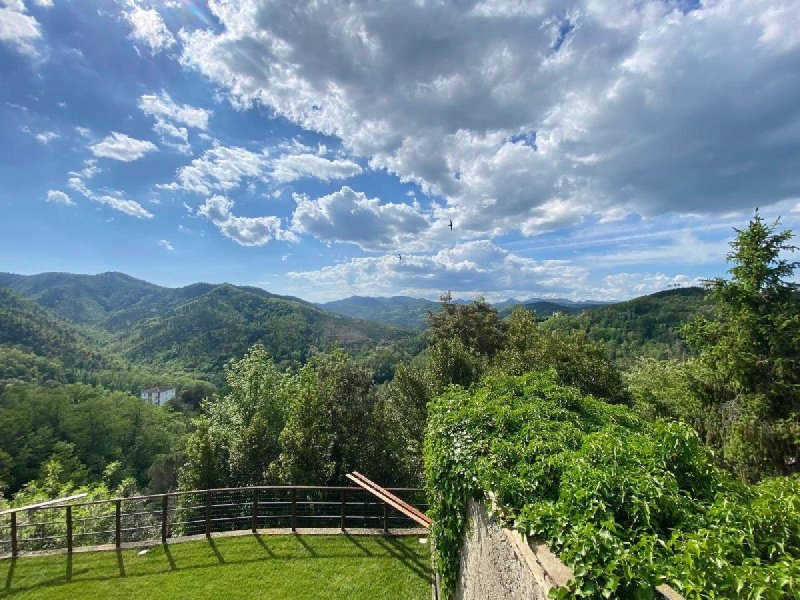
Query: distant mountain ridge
x,y
645,326
109,300
200,326
34,337
80,320
410,312
402,311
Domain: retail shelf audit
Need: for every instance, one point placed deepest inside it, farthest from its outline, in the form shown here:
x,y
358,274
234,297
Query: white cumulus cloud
x,y
59,197
122,147
166,245
531,117
129,207
170,117
220,168
149,28
46,137
123,205
245,231
18,29
291,167
349,216
470,268
163,106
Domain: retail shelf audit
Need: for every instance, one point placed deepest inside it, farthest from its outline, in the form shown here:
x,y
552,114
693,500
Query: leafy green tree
x,y
333,425
83,428
477,325
665,389
207,463
72,469
578,361
237,439
5,471
749,351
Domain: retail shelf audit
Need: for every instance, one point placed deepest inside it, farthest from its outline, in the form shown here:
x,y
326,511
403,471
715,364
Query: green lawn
x,y
336,566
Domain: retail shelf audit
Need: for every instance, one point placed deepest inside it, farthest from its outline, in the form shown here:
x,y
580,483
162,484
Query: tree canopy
x,y
749,352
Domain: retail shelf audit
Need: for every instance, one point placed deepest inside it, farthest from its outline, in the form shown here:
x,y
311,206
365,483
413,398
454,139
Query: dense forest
x,y
164,333
687,397
649,326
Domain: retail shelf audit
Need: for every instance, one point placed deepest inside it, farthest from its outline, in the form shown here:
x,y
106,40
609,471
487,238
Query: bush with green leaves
x,y
627,504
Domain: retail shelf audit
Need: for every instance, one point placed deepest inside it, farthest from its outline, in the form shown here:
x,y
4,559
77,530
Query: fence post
x,y
344,510
254,525
117,523
294,509
69,529
385,518
164,507
14,547
208,513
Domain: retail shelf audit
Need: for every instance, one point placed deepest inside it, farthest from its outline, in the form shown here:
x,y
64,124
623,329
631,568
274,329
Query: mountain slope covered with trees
x,y
647,326
198,327
403,311
36,344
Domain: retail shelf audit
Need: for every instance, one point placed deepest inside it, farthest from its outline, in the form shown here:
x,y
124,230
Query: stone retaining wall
x,y
497,563
500,564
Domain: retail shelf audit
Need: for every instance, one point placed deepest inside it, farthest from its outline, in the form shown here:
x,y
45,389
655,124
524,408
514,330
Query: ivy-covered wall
x,y
627,504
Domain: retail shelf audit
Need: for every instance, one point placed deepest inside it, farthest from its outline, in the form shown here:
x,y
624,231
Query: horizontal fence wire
x,y
177,514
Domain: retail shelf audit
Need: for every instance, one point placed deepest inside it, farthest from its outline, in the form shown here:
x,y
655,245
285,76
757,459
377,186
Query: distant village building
x,y
158,395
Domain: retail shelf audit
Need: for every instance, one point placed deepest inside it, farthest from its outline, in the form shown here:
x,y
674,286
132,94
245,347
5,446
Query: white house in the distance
x,y
158,395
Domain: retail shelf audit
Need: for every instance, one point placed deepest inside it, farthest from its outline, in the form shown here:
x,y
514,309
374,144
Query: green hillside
x,y
84,299
646,326
206,332
198,327
544,308
36,344
402,311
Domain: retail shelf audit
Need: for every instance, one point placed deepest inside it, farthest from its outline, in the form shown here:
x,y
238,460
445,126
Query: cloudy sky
x,y
582,148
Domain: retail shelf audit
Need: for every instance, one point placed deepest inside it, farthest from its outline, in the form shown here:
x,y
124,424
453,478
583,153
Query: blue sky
x,y
582,149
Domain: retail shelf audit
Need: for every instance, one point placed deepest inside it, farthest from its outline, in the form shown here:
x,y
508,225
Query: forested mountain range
x,y
646,326
32,339
59,323
196,328
403,311
412,313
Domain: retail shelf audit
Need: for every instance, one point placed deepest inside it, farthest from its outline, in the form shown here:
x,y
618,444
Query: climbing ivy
x,y
626,503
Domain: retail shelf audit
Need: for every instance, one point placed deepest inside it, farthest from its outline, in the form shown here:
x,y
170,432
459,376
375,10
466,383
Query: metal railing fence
x,y
160,517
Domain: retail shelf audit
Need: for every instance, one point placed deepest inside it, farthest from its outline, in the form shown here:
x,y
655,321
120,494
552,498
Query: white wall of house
x,y
158,397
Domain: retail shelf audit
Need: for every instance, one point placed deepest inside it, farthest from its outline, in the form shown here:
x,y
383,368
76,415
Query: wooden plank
x,y
69,529
294,510
14,546
376,489
117,522
164,508
390,499
41,504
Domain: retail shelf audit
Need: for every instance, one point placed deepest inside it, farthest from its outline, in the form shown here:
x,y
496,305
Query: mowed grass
x,y
287,566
